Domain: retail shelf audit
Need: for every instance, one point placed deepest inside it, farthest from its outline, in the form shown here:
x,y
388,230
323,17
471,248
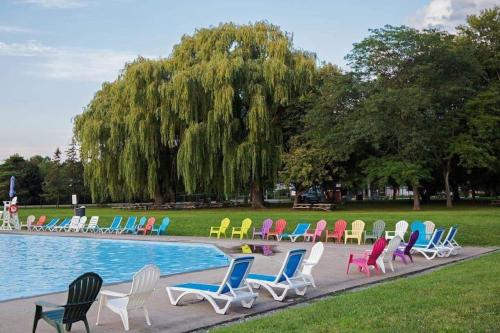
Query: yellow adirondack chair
x,y
243,230
358,227
220,230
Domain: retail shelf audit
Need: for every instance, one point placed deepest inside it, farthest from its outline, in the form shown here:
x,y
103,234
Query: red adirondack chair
x,y
278,229
364,261
148,227
338,231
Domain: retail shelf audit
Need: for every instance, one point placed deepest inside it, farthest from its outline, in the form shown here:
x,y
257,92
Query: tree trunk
x,y
296,200
257,197
158,196
446,175
394,192
416,198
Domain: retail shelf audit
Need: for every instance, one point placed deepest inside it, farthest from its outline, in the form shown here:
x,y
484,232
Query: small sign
x,y
74,200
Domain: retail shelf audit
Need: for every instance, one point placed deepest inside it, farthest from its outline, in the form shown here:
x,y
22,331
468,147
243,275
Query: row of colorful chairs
x,y
79,224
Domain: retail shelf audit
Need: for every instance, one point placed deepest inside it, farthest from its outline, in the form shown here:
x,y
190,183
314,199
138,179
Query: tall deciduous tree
x,y
55,184
229,85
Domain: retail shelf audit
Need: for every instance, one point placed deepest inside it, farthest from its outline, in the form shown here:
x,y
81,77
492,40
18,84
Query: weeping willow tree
x,y
128,142
229,85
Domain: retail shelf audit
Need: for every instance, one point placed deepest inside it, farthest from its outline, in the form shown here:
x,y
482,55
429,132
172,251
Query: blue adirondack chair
x,y
130,225
163,226
420,226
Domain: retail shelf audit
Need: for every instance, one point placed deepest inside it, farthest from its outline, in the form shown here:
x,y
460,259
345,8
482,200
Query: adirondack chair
x,y
386,256
148,227
401,228
358,227
29,221
220,230
143,285
377,231
429,228
418,225
163,226
38,226
366,260
141,224
403,252
130,225
278,229
266,226
320,227
243,230
81,294
309,263
338,231
93,225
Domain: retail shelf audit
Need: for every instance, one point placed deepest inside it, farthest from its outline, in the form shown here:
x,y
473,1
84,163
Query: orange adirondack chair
x,y
148,227
338,231
278,229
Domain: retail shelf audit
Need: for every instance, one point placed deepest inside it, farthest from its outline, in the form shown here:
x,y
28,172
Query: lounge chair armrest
x,y
48,304
113,293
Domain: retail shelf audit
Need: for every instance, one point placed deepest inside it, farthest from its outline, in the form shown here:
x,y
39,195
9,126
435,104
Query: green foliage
x,y
55,185
28,179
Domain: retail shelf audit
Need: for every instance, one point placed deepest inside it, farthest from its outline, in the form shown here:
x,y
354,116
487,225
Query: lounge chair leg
x,y
146,314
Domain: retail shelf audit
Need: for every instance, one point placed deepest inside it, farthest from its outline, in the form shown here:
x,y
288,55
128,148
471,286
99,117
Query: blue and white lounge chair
x,y
289,277
300,231
141,224
449,245
63,225
115,226
163,226
232,289
49,226
432,248
130,225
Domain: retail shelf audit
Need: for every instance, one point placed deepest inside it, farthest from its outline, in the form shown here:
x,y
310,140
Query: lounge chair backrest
x,y
320,227
394,244
143,284
378,228
451,235
414,237
291,264
280,226
131,221
246,224
53,222
401,228
224,224
301,228
93,222
142,222
74,222
420,227
81,223
357,227
377,249
117,220
236,274
266,226
41,220
81,295
435,238
30,220
164,224
340,227
150,224
429,227
65,222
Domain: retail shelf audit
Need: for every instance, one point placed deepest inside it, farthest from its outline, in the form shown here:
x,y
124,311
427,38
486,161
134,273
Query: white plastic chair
x,y
29,222
73,225
309,263
429,228
92,226
401,228
81,224
143,286
386,255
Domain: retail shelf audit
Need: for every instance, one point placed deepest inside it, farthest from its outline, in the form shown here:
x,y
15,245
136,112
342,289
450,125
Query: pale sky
x,y
55,54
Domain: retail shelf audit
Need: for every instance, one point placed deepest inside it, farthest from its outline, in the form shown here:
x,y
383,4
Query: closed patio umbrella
x,y
12,190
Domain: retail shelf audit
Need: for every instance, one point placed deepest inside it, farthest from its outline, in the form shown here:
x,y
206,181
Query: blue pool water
x,y
34,265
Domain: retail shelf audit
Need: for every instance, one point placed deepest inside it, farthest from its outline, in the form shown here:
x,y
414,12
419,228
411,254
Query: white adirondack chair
x,y
92,226
401,228
143,286
309,263
386,255
29,222
429,229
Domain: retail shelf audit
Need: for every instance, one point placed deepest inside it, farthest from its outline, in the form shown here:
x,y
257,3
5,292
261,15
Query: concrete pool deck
x,y
192,314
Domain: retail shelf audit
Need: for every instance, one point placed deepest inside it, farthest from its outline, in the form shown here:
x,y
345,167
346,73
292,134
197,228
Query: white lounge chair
x,y
401,228
143,285
289,277
432,248
232,289
386,256
309,263
81,224
93,225
449,245
73,225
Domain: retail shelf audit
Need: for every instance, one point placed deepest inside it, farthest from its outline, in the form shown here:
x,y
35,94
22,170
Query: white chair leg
x,y
146,314
391,265
124,315
101,303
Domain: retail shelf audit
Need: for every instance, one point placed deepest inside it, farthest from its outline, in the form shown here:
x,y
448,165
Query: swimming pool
x,y
35,265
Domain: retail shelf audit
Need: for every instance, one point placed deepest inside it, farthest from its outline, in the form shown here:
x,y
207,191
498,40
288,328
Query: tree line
x,y
239,108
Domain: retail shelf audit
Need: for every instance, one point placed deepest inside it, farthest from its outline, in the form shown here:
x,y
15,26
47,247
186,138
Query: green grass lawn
x,y
460,298
479,225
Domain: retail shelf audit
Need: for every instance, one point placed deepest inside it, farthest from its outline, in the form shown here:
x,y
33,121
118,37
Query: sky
x,y
55,54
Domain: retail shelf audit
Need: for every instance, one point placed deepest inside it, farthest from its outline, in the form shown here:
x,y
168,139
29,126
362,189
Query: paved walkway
x,y
16,316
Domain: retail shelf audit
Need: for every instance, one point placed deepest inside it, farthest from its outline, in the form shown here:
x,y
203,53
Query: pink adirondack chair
x,y
338,231
320,227
266,226
366,260
278,229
